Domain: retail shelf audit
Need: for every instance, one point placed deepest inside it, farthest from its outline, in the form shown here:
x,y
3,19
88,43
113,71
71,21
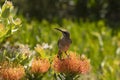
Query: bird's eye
x,y
65,33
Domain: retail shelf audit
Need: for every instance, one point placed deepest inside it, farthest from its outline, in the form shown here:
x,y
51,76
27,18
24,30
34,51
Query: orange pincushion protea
x,y
12,73
40,66
84,66
71,64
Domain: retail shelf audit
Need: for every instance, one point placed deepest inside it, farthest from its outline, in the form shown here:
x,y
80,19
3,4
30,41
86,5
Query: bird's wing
x,y
60,43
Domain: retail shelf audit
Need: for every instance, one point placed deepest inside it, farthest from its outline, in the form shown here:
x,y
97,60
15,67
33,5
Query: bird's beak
x,y
59,30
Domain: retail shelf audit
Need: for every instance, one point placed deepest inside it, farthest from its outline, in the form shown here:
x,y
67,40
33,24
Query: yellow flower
x,y
8,4
17,21
39,49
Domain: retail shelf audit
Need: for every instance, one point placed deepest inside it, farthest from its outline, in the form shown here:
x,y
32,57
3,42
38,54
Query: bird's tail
x,y
59,54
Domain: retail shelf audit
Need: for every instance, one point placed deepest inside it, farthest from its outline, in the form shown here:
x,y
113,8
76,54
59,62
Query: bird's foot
x,y
59,57
67,55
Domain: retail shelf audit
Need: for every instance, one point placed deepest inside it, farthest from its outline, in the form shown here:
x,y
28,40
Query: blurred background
x,y
94,26
56,10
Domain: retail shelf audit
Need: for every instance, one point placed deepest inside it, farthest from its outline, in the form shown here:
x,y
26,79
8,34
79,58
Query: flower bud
x,y
6,9
17,21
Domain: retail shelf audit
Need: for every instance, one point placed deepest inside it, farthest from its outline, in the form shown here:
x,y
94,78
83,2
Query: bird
x,y
63,43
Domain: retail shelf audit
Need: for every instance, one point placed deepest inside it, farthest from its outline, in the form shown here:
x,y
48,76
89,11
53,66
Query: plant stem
x,y
69,77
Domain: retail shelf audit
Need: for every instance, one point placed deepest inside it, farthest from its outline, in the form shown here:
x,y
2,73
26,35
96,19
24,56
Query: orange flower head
x,y
71,64
12,73
84,65
40,66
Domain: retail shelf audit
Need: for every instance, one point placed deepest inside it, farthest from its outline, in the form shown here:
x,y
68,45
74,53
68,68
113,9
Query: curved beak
x,y
59,30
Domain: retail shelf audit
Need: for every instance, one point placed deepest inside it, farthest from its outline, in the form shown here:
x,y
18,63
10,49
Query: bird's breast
x,y
64,44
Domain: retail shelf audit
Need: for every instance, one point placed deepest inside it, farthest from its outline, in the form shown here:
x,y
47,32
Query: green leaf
x,y
6,13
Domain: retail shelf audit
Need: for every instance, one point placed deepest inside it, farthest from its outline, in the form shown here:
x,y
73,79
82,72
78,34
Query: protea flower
x,y
11,72
40,66
71,65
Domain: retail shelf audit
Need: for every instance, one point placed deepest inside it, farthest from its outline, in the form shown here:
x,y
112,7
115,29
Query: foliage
x,y
94,39
37,42
86,9
8,24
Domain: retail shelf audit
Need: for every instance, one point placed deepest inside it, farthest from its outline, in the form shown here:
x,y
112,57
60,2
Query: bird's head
x,y
66,34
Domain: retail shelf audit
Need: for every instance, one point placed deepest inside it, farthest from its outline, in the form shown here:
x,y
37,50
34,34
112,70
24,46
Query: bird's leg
x,y
59,54
66,54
